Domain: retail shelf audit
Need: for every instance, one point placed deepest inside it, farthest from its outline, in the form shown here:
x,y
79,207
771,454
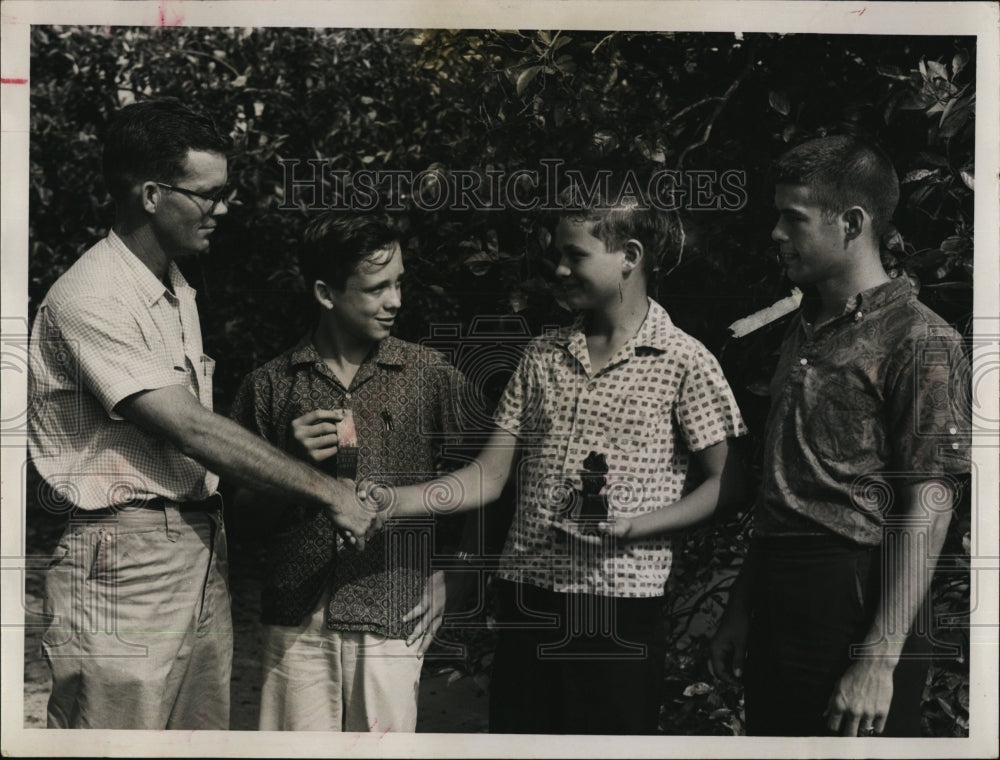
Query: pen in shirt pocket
x,y
386,420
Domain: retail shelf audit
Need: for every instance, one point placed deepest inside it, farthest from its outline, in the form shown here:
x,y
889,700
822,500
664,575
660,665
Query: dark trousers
x,y
576,663
812,599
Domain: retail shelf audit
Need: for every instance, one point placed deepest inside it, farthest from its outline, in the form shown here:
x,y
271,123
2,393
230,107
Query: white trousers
x,y
321,680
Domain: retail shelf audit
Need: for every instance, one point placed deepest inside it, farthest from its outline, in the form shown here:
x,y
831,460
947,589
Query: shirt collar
x,y
388,353
150,286
862,304
884,294
654,332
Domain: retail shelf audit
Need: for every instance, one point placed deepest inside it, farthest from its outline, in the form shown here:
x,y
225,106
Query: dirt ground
x,y
456,707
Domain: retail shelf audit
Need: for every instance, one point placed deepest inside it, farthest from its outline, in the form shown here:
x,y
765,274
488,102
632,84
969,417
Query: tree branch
x,y
723,99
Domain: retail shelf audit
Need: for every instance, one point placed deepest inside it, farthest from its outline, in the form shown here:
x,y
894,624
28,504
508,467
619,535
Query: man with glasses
x,y
140,632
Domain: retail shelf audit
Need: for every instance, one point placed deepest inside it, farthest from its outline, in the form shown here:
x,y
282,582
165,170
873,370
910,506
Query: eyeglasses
x,y
223,196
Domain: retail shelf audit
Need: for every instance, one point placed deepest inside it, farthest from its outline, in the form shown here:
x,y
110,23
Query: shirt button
x,y
803,361
347,396
857,316
953,430
954,445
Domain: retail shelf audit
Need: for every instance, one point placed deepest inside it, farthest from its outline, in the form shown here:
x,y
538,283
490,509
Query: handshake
x,y
359,510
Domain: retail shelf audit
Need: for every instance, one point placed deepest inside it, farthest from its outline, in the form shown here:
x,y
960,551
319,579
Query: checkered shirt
x,y
660,398
108,329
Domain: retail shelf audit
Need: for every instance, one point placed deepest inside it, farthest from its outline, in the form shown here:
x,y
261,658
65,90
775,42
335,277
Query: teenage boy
x,y
626,394
860,406
345,632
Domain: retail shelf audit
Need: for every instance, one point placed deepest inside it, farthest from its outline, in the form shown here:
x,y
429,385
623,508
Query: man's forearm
x,y
235,453
230,450
908,575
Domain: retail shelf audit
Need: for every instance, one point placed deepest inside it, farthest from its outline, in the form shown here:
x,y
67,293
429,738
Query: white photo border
x,y
974,18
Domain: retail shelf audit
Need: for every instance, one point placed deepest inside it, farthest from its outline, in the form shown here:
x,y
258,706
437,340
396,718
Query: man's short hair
x,y
149,141
843,171
336,242
621,211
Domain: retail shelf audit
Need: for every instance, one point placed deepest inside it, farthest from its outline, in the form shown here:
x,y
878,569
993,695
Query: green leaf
x,y
938,70
892,72
779,102
946,707
959,62
697,689
479,263
919,174
894,241
525,77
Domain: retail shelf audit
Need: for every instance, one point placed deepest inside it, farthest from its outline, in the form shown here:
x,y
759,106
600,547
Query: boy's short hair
x,y
336,242
149,140
843,171
621,213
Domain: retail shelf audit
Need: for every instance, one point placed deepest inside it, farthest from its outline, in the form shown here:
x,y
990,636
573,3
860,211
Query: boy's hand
x,y
315,434
428,613
618,529
729,645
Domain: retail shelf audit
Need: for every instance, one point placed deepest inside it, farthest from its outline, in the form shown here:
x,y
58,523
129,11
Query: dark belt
x,y
212,504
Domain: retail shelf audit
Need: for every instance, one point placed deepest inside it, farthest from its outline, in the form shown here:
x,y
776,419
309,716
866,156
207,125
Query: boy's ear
x,y
855,220
323,294
633,255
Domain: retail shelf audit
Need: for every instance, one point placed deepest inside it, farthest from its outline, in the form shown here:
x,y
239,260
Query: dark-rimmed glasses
x,y
223,196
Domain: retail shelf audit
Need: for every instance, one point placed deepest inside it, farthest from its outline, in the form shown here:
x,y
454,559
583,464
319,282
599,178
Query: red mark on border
x,y
12,80
861,12
175,20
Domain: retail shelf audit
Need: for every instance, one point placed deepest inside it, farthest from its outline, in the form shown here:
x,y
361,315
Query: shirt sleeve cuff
x,y
111,396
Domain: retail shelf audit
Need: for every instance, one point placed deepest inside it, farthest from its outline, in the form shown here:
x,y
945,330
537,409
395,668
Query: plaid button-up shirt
x,y
660,398
108,329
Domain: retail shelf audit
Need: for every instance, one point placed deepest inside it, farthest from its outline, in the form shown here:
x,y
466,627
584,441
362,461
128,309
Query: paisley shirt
x,y
872,400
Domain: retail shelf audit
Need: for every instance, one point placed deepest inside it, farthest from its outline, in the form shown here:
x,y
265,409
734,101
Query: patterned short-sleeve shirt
x,y
405,404
660,398
107,329
872,400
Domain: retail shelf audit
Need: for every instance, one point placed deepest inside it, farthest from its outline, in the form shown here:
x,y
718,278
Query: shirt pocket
x,y
206,367
845,425
204,371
